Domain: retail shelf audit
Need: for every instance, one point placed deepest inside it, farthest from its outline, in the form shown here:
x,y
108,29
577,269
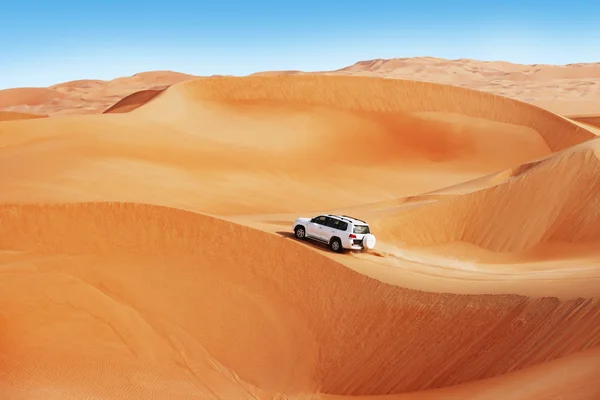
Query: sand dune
x,y
145,253
593,120
566,378
551,202
87,96
10,115
26,97
387,134
145,285
133,101
563,89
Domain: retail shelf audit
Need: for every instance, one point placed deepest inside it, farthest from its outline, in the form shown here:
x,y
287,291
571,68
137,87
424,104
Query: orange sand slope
x,y
566,378
229,145
84,96
563,89
589,123
551,201
9,116
133,101
136,289
593,120
115,285
28,97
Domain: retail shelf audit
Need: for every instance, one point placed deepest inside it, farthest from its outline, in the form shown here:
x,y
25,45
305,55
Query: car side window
x,y
319,220
331,222
337,224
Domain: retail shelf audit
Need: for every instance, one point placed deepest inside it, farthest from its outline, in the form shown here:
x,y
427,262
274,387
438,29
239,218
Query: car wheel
x,y
300,232
336,245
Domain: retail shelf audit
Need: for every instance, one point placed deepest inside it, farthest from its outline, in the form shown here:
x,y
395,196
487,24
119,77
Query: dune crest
x,y
133,101
593,120
382,95
550,201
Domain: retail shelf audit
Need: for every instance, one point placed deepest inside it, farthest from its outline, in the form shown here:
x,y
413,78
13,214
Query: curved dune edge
x,y
370,94
13,115
570,378
152,284
593,120
133,101
589,122
553,200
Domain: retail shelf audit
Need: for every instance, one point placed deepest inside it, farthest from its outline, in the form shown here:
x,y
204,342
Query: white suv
x,y
338,231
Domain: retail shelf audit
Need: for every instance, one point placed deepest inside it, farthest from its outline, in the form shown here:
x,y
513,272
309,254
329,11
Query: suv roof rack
x,y
347,216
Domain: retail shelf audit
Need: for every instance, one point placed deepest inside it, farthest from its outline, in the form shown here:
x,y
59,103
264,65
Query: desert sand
x,y
564,89
13,115
147,251
572,89
85,96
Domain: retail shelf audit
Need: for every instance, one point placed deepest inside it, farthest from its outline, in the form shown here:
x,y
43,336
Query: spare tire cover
x,y
369,241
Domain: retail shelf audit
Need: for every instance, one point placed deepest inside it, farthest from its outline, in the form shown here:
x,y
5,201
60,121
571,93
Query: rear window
x,y
361,229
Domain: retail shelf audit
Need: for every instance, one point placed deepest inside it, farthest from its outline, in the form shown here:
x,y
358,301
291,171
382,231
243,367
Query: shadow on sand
x,y
290,235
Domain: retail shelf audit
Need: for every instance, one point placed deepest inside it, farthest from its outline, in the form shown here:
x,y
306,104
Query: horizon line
x,y
305,71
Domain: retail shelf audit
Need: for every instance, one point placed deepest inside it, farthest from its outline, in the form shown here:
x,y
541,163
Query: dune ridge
x,y
566,378
133,101
593,120
384,95
552,201
309,317
12,115
563,89
85,96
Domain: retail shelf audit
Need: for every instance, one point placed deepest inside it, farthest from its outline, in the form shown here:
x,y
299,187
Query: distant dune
x,y
85,96
10,115
79,84
272,73
11,99
146,252
563,89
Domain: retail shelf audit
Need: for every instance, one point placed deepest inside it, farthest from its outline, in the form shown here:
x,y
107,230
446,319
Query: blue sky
x,y
48,42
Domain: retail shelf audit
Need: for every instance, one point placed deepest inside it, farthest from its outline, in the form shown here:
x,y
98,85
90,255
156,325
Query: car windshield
x,y
361,229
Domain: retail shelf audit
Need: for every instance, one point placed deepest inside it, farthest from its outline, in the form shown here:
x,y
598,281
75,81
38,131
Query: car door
x,y
330,229
315,227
